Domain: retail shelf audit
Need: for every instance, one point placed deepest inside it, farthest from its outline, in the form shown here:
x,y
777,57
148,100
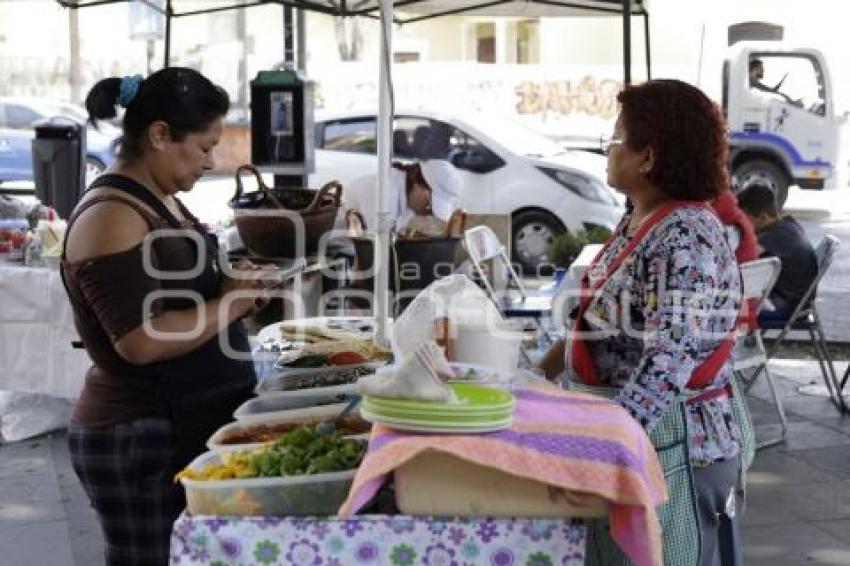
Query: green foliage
x,y
565,248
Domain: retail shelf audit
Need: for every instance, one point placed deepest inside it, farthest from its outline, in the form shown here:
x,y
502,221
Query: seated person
x,y
782,237
740,233
757,74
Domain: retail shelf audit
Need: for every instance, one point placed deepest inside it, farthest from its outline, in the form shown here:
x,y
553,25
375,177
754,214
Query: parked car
x,y
17,116
506,169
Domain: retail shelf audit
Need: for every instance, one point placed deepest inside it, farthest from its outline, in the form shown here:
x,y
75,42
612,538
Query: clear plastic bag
x,y
454,297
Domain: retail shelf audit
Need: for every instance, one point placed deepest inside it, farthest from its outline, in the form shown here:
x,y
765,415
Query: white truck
x,y
782,124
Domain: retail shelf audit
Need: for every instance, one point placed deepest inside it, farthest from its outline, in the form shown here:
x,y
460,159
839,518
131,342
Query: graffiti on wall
x,y
587,96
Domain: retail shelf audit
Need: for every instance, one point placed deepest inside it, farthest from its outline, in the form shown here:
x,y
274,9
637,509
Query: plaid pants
x,y
127,472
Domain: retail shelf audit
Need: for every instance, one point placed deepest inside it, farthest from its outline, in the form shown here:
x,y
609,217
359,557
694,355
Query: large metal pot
x,y
268,233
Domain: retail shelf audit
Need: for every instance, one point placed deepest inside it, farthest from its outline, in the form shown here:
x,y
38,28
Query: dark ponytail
x,y
100,101
182,98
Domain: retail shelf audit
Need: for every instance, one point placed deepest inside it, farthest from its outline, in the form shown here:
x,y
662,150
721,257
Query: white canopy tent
x,y
409,11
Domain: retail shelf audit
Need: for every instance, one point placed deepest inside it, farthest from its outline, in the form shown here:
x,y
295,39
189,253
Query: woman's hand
x,y
253,281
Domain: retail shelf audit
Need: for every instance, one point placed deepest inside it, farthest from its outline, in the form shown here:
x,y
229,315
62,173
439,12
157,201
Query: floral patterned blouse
x,y
660,315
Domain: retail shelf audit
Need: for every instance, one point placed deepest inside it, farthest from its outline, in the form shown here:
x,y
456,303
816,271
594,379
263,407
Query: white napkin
x,y
411,379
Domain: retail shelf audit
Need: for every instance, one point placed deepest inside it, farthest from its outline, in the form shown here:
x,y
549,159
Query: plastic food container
x,y
438,484
296,379
325,413
317,494
284,401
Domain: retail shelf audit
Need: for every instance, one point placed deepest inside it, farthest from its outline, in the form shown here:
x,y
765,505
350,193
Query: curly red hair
x,y
686,133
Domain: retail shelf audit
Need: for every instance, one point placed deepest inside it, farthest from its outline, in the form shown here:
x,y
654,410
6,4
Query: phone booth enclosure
x,y
282,122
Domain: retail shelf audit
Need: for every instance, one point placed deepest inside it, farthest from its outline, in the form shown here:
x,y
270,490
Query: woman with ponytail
x,y
157,315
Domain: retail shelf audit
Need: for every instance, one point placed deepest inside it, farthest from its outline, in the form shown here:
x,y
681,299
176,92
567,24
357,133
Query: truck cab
x,y
780,113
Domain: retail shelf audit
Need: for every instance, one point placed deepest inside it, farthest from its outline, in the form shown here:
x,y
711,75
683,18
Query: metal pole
x,y
384,134
301,39
288,43
74,48
647,45
167,48
297,181
242,95
627,42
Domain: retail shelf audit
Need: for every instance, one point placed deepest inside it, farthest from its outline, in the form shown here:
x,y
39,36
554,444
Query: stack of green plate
x,y
481,409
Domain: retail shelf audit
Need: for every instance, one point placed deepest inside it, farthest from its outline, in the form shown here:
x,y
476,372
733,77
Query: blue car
x,y
17,116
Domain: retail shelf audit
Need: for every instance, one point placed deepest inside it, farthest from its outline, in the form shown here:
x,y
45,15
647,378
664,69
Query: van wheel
x,y
533,231
760,171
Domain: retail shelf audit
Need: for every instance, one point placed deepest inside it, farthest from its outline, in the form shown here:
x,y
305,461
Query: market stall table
x,y
570,441
36,333
43,372
375,539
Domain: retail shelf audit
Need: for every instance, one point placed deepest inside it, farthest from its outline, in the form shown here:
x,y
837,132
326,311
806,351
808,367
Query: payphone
x,y
282,125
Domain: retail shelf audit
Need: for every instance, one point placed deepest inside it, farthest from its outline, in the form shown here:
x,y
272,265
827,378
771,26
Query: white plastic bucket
x,y
492,346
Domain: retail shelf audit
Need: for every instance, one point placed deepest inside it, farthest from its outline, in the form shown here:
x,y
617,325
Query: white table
x,y
41,373
36,331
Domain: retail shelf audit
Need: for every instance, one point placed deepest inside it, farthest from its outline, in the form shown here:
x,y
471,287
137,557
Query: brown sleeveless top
x,y
109,298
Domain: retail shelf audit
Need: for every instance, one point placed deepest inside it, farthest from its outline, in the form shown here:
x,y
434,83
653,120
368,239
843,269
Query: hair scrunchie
x,y
129,88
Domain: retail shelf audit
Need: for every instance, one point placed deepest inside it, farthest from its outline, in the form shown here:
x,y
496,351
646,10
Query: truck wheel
x,y
761,171
533,231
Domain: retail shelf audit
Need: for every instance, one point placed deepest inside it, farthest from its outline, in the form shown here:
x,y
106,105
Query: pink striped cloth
x,y
570,440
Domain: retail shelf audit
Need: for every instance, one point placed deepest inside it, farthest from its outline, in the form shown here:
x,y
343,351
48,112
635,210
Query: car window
x,y
355,136
467,152
409,135
20,117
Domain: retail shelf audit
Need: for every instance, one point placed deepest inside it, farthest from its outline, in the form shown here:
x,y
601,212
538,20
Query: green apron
x,y
678,516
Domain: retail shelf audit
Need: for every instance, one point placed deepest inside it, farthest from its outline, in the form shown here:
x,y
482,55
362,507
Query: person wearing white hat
x,y
424,197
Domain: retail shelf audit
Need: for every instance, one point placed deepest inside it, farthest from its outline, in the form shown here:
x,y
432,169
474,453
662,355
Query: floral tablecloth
x,y
397,540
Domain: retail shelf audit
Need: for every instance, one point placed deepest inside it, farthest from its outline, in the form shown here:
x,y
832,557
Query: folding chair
x,y
759,276
805,317
486,253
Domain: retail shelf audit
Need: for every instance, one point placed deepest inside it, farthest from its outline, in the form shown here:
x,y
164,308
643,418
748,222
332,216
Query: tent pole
x,y
647,45
383,222
167,48
627,42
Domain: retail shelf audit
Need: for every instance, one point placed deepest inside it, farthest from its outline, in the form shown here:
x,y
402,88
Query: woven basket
x,y
272,235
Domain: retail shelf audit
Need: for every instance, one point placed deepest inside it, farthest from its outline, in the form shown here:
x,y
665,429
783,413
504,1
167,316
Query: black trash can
x,y
59,163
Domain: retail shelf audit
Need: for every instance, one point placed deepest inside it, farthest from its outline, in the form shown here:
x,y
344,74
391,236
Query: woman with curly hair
x,y
656,324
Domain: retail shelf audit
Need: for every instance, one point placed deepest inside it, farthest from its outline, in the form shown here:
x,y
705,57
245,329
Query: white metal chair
x,y
805,317
483,246
490,262
759,276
